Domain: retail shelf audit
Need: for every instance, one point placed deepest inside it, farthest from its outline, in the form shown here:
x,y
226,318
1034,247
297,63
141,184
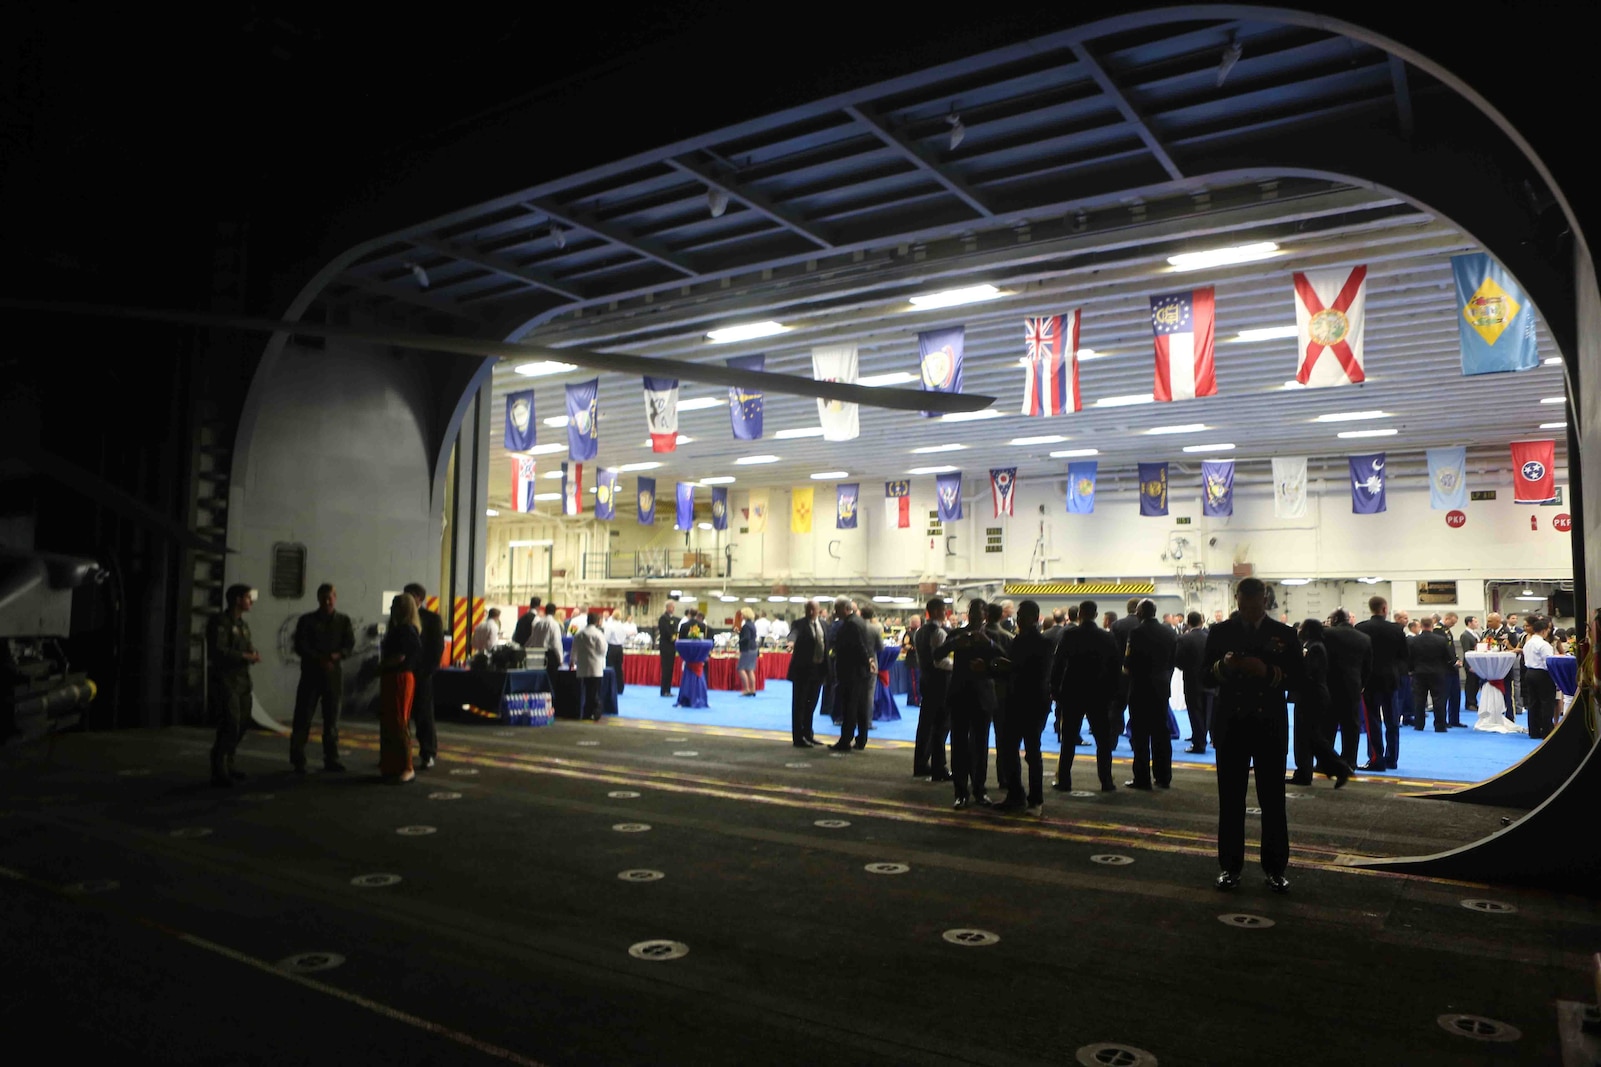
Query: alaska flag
x,y
605,494
719,508
647,502
521,432
846,499
685,518
745,403
1496,319
1153,489
1448,478
940,358
583,412
948,488
1081,488
1217,479
1367,484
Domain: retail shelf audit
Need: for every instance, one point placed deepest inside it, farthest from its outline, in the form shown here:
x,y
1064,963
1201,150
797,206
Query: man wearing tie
x,y
933,715
1350,672
1084,683
666,644
1470,643
1148,663
1453,677
806,671
1391,663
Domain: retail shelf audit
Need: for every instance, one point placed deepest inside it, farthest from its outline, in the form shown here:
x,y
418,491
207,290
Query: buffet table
x,y
1493,667
772,665
722,672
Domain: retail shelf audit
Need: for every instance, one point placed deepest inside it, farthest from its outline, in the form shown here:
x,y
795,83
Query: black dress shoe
x,y
1297,779
858,746
1278,883
800,744
1196,749
1227,880
421,765
1080,743
983,800
1138,785
1370,766
963,803
1342,776
941,776
335,767
1007,806
839,748
1062,787
1165,785
814,743
920,775
1108,787
1390,767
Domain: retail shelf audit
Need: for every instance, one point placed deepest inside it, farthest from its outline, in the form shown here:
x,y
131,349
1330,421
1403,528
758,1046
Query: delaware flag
x,y
940,359
1050,359
1081,488
745,403
572,489
522,483
1367,484
520,428
1153,489
1003,483
1289,487
898,505
1497,320
583,418
605,494
836,363
647,502
1448,478
847,496
757,514
661,413
1182,325
1330,310
1217,479
719,508
800,510
685,518
1534,475
948,488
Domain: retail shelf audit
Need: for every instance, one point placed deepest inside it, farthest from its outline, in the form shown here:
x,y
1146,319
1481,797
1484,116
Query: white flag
x,y
836,363
757,519
1330,306
661,413
1289,487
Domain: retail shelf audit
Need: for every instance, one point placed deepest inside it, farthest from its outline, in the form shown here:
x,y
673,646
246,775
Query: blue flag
x,y
1448,478
940,353
1217,478
1367,484
583,413
1496,318
521,432
685,519
1153,489
745,403
1081,488
719,508
605,494
647,502
948,488
846,497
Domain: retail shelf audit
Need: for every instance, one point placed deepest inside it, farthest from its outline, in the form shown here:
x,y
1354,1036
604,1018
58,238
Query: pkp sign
x,y
1456,519
1563,523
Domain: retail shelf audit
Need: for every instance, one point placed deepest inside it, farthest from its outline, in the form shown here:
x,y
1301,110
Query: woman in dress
x,y
399,656
1313,701
748,652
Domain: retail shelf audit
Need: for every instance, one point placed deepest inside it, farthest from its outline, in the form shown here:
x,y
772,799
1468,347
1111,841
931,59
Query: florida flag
x,y
1330,306
1003,482
572,489
1050,361
898,504
1534,478
522,483
1182,325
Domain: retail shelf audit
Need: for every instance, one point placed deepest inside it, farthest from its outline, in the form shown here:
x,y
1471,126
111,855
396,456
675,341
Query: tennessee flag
x,y
1182,324
1050,359
522,483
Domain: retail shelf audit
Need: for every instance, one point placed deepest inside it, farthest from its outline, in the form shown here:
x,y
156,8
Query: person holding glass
x,y
399,656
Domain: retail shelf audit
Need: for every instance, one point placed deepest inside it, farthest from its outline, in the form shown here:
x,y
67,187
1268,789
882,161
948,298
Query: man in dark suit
x,y
1198,690
1391,663
1084,683
1350,670
933,716
1121,628
525,624
807,666
667,644
1469,642
1028,705
1148,663
432,629
1453,677
855,668
993,690
1254,660
1433,658
971,651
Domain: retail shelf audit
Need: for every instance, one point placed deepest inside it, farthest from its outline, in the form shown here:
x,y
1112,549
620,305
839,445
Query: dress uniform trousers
x,y
318,685
933,725
970,739
1248,739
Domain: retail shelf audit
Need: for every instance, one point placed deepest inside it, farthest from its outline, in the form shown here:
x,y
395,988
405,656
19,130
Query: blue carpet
x,y
1457,756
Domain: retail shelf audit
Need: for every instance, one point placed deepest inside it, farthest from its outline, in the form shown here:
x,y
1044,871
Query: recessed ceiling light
x,y
1183,427
1209,448
823,476
697,403
546,450
1368,433
1553,361
1125,401
703,525
1555,400
1352,416
1222,257
1070,453
747,461
1266,333
542,367
946,298
1553,426
804,431
547,496
681,440
971,416
899,377
1295,581
932,470
558,421
720,479
748,332
1047,439
492,513
927,450
650,465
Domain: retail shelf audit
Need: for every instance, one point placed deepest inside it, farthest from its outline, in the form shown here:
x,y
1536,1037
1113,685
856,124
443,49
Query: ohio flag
x,y
1003,483
522,483
898,505
1182,325
1050,359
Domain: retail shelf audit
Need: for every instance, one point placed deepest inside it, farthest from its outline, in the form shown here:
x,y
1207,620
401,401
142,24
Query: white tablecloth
x,y
1493,666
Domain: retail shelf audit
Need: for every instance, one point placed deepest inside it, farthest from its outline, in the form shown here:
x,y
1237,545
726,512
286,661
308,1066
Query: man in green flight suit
x,y
231,653
323,639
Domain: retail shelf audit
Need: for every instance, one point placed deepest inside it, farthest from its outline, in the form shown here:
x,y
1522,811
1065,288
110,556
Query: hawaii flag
x,y
1182,325
605,494
898,505
836,363
1050,385
572,489
522,483
661,413
1003,483
1534,475
1289,487
940,360
1330,306
800,510
756,515
847,495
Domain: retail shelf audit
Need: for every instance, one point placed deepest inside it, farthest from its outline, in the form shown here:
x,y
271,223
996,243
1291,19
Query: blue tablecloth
x,y
884,709
692,687
1564,672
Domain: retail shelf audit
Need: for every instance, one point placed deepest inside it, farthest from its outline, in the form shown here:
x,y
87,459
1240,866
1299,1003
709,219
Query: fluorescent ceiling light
x,y
1527,591
903,600
1553,426
542,367
823,476
1555,400
748,332
947,298
1293,384
1553,361
1368,433
1069,453
776,599
1540,598
704,525
1125,401
899,377
883,600
699,402
1183,427
1090,353
753,600
557,421
1370,581
729,599
492,513
1222,257
746,461
647,466
720,479
931,449
971,416
1352,416
547,496
547,450
1209,448
551,474
931,470
1295,581
528,544
1047,439
804,431
681,439
1267,333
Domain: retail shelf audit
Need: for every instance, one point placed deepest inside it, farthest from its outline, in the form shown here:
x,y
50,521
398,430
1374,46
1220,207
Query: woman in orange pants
x,y
399,656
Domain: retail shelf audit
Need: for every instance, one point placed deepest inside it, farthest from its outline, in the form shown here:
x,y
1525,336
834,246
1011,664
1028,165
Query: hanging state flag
x,y
1182,324
800,510
522,483
719,508
521,432
684,518
1497,323
836,363
1217,479
661,413
583,419
572,489
1448,478
1367,484
1050,361
605,494
1534,474
1330,308
757,517
1081,488
1003,483
847,497
940,360
646,501
898,505
1289,487
745,403
1153,489
948,489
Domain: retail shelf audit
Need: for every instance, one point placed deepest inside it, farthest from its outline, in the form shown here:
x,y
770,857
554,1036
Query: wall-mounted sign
x,y
1554,502
1562,522
1456,519
1436,592
1182,520
1482,494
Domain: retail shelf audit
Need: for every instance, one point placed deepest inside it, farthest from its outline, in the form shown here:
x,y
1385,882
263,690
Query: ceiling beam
x,y
751,199
1127,110
919,158
1403,95
504,267
640,246
405,294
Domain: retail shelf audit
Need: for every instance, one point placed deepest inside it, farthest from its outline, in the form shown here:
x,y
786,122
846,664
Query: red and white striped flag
x,y
572,489
522,483
1182,324
1051,364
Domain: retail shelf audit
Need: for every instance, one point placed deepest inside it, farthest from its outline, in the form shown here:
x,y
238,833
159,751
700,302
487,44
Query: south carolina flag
x,y
1330,306
1003,481
572,489
1534,475
522,483
1182,325
1050,359
898,505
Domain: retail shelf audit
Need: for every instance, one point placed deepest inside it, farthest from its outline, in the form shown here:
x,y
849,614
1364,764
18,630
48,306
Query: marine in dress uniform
x,y
933,714
666,645
323,639
1148,664
970,651
230,655
1084,680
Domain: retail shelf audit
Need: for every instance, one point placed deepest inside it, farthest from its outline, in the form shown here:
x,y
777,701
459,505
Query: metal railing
x,y
647,563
